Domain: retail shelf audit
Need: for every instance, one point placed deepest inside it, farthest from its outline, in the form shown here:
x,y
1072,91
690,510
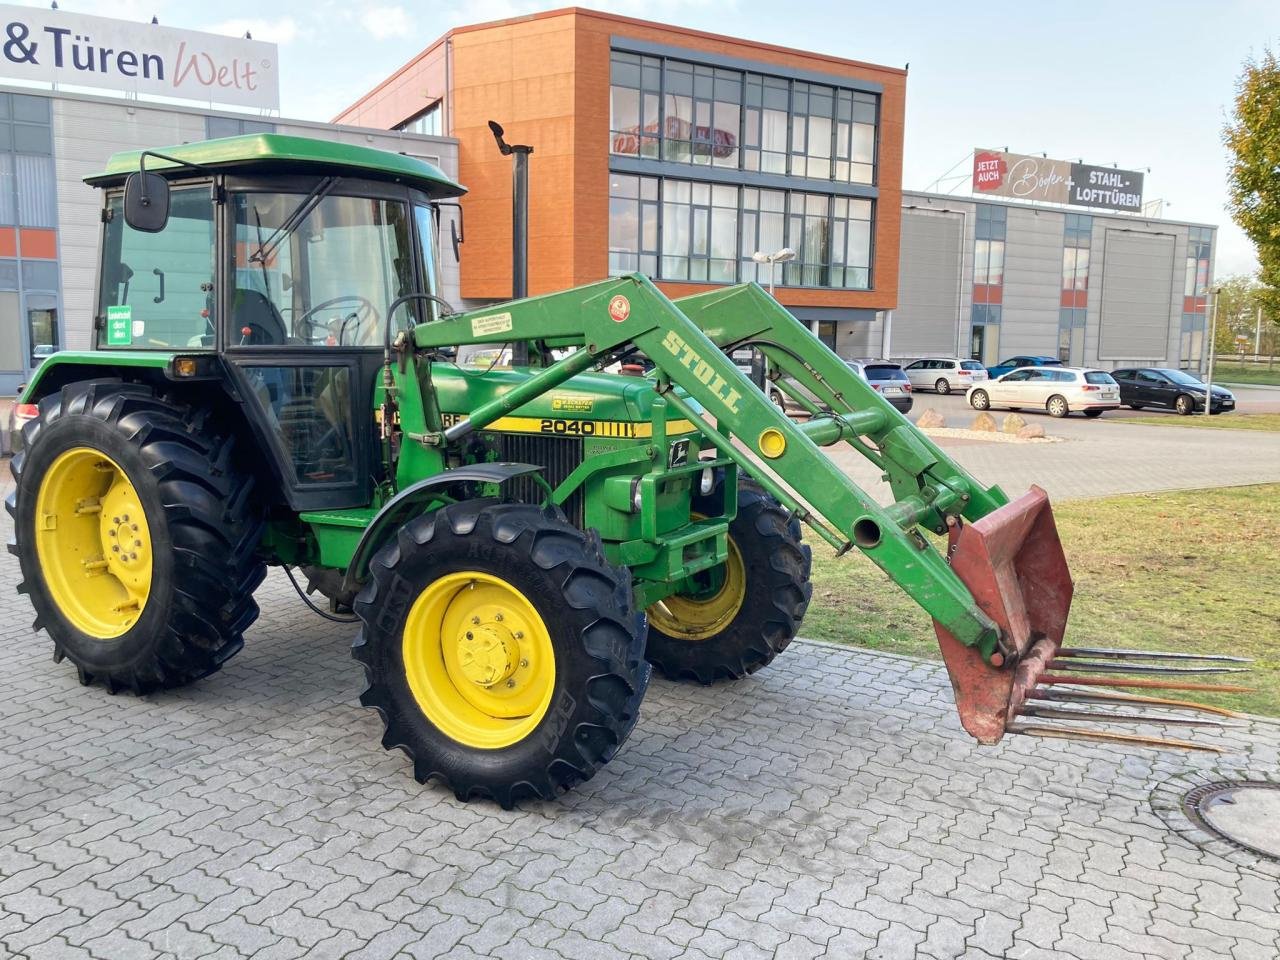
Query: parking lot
x,y
1102,457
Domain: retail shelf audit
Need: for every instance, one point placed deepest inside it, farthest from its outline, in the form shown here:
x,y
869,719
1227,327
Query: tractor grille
x,y
558,457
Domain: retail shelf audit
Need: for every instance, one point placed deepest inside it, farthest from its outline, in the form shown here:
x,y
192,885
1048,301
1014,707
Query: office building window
x,y
988,248
1199,240
430,122
218,127
633,224
688,230
764,135
690,113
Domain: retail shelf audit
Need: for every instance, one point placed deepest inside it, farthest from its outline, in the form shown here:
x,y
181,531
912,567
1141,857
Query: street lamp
x,y
1213,333
782,256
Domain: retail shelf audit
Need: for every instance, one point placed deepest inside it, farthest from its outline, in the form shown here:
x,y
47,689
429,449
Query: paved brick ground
x,y
828,806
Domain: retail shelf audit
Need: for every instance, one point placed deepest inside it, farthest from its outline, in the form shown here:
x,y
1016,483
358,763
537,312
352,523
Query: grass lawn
x,y
1225,371
1193,570
1220,421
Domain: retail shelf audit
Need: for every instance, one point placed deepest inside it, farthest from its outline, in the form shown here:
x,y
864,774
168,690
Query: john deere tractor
x,y
276,381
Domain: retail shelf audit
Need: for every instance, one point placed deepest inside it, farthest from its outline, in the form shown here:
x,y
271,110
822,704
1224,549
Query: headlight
x,y
706,481
635,495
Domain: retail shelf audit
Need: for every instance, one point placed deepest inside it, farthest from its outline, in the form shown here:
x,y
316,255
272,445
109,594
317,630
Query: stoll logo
x,y
59,47
680,349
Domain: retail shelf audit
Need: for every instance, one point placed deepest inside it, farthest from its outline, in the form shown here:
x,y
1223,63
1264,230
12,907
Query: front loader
x,y
276,382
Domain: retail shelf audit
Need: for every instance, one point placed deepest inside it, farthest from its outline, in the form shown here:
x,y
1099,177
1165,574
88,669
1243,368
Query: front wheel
x,y
979,400
1057,406
1093,414
1135,406
733,620
943,385
501,651
137,536
1185,405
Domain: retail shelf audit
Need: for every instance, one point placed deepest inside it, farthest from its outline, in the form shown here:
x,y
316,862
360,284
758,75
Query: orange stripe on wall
x,y
38,244
8,242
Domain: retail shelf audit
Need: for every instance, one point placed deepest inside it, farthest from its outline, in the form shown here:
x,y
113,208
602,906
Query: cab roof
x,y
276,152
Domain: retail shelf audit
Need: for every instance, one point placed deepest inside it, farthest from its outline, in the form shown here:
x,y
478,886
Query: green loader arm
x,y
609,317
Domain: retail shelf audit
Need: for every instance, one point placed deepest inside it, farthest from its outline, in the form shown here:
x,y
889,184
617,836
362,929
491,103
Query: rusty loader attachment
x,y
1000,594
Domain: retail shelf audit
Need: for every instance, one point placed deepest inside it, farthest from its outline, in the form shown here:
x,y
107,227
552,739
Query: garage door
x,y
929,284
1137,289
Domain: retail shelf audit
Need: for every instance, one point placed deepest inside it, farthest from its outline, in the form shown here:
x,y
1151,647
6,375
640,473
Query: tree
x,y
1253,137
1238,300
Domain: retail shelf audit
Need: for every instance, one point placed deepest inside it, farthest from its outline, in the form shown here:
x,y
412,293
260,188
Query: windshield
x,y
156,289
1183,378
1097,376
318,271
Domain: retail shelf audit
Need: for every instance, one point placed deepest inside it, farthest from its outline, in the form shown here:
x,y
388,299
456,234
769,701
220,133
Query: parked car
x,y
1013,363
945,374
19,414
887,379
1059,391
1173,389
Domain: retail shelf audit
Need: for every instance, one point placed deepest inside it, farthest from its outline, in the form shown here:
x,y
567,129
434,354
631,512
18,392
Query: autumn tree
x,y
1253,138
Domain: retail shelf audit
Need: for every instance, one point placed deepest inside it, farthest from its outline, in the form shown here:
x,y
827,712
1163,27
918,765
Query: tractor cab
x,y
289,264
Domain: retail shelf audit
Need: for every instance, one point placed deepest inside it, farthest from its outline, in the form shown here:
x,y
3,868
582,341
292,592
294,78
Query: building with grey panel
x,y
50,219
992,279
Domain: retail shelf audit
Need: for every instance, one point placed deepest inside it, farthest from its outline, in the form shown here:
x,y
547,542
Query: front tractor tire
x,y
743,614
136,534
501,651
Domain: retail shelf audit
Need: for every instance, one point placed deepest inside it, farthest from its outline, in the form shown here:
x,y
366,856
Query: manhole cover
x,y
1245,813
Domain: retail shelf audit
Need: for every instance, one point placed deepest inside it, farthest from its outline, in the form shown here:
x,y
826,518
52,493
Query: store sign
x,y
1001,174
53,46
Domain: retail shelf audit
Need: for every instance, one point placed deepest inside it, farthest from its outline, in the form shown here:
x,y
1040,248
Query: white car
x,y
1059,390
945,374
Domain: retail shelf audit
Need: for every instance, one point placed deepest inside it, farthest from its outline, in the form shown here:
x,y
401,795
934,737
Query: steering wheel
x,y
364,312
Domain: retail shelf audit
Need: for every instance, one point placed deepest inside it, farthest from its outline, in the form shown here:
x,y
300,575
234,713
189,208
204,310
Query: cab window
x,y
157,288
318,272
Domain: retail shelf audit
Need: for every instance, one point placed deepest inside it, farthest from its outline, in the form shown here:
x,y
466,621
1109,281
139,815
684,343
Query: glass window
x,y
430,122
311,412
157,288
633,224
428,248
39,275
328,280
1097,376
42,325
217,127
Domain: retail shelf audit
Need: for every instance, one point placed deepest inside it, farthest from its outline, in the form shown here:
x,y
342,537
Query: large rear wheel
x,y
501,651
136,534
735,619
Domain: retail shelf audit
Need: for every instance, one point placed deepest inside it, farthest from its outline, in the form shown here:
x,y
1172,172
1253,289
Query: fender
x,y
408,502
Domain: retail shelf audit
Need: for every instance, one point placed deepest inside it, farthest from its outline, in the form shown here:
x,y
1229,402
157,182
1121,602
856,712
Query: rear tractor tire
x,y
748,610
501,651
136,534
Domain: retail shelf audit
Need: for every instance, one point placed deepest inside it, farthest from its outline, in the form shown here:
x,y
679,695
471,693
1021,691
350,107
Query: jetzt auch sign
x,y
55,46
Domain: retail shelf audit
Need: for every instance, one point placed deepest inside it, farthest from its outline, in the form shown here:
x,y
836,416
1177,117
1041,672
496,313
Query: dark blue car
x,y
1013,363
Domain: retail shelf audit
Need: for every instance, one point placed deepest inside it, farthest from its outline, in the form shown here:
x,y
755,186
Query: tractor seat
x,y
252,311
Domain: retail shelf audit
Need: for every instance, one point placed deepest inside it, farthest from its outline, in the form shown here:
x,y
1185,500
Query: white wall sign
x,y
55,46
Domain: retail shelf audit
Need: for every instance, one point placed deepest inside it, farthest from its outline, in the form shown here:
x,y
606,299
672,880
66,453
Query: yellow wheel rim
x,y
702,617
479,660
93,543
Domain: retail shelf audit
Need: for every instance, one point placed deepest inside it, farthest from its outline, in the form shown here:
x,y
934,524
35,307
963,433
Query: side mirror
x,y
146,202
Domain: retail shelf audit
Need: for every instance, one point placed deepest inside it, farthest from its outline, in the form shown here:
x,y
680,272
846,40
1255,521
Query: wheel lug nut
x,y
115,520
133,556
470,635
115,549
519,634
524,663
498,617
511,683
475,620
137,543
135,528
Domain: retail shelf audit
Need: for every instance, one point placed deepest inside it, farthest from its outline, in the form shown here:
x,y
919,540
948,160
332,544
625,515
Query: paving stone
x,y
827,805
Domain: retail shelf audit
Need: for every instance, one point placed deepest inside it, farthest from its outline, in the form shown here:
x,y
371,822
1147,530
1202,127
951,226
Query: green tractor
x,y
275,381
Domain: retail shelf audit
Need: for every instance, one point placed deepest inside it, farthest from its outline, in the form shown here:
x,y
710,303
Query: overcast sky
x,y
1141,84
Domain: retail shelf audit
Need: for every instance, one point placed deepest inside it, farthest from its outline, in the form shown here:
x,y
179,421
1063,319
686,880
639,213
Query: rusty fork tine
x,y
1052,678
1120,654
1130,699
1103,736
1118,667
1057,713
